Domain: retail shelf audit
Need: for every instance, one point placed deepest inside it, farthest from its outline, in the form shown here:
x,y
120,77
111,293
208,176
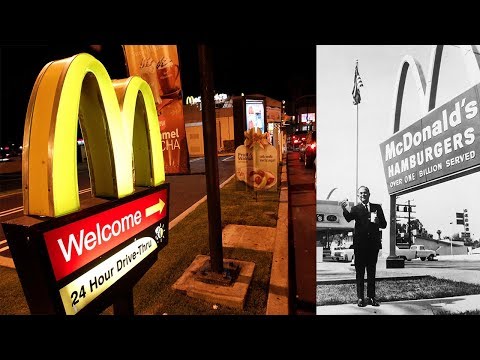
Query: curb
x,y
353,281
184,214
278,292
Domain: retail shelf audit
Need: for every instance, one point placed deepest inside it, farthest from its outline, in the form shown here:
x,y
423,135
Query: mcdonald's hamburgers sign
x,y
442,145
75,258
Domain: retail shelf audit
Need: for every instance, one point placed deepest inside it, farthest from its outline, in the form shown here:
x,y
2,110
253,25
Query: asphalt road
x,y
185,190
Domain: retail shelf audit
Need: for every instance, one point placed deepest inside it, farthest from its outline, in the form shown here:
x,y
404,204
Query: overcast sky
x,y
378,67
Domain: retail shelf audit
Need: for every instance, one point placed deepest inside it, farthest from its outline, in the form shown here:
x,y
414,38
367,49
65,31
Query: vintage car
x,y
342,253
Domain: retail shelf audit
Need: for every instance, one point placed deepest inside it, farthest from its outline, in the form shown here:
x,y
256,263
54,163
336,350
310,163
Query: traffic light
x,y
405,208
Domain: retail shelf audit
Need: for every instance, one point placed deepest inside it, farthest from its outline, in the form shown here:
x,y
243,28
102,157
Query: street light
x,y
451,239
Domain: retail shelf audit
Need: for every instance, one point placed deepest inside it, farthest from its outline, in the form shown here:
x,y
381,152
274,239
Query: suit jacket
x,y
367,234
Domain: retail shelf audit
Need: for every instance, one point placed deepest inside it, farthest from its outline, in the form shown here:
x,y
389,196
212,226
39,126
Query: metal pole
x,y
356,161
211,159
408,224
451,238
124,304
393,225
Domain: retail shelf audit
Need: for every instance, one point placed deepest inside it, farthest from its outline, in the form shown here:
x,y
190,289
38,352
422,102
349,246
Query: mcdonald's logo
x,y
189,100
444,143
119,124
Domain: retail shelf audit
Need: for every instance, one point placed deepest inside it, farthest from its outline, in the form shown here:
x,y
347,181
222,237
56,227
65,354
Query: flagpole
x,y
357,83
356,162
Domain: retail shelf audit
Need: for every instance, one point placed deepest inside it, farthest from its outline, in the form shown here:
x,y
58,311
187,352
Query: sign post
x,y
439,147
215,271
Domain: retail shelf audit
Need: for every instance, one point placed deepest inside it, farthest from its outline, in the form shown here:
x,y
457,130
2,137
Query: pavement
x,y
335,272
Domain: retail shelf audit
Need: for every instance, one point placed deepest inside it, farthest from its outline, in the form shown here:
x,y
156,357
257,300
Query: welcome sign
x,y
77,258
442,145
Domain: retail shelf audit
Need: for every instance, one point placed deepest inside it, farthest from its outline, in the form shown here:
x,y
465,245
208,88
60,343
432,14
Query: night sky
x,y
282,72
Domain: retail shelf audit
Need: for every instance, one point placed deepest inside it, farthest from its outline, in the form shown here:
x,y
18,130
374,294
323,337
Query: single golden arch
x,y
427,90
119,124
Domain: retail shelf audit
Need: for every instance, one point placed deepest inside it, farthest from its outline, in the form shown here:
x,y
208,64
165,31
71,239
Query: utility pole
x,y
407,208
409,225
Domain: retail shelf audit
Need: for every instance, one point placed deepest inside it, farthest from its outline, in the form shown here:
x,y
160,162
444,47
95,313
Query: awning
x,y
330,216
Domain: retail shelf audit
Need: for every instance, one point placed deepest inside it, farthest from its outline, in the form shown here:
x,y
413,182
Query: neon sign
x,y
121,133
68,261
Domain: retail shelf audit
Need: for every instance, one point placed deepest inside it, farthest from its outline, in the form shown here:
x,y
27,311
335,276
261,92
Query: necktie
x,y
366,207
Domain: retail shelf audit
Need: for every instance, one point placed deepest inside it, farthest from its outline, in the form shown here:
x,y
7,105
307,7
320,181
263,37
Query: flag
x,y
357,84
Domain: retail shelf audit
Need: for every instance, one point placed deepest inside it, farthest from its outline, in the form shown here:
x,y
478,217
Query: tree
x,y
439,232
400,227
415,224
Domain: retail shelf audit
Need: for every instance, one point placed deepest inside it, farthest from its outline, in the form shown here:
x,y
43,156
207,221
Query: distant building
x,y
441,246
305,113
331,225
231,120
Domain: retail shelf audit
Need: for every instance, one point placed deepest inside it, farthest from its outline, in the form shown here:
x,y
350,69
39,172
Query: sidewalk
x,y
334,273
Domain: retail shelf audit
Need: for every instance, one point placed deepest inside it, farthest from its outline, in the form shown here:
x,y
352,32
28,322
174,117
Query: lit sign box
x,y
440,146
82,260
255,114
305,118
72,260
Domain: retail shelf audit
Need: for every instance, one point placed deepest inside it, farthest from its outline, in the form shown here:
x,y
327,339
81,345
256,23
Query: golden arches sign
x,y
119,124
190,100
441,145
412,178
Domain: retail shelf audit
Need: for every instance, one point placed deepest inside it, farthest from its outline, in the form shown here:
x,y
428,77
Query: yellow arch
x,y
120,128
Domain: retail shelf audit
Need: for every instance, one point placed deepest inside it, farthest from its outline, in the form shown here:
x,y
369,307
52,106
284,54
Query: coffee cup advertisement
x,y
158,65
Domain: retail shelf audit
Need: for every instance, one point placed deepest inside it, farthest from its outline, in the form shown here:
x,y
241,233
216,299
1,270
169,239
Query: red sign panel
x,y
443,143
74,245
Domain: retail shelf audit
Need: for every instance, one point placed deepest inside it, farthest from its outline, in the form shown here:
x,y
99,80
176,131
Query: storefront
x,y
332,226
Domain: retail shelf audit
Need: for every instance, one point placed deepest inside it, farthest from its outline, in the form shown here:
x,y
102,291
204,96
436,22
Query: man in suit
x,y
367,242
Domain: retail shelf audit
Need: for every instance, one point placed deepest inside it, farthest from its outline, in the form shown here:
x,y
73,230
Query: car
x,y
343,253
308,150
10,152
297,140
475,251
5,155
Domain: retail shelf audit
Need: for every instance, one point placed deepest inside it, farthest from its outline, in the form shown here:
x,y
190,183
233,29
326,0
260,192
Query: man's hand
x,y
344,204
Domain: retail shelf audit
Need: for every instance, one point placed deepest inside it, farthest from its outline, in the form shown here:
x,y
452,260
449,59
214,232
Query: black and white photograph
x,y
397,229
